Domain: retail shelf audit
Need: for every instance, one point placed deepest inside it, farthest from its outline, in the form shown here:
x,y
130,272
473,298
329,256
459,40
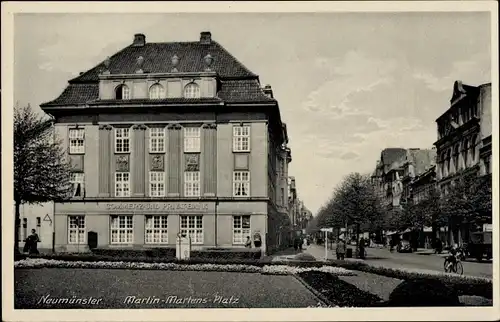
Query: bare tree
x,y
40,171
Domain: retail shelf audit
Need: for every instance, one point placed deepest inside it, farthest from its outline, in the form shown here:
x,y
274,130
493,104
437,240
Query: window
x,y
122,92
192,183
466,153
241,183
24,232
241,229
192,139
157,140
192,90
283,196
241,138
122,184
473,149
156,91
122,229
457,158
487,165
157,184
156,230
122,140
78,182
76,141
76,229
192,226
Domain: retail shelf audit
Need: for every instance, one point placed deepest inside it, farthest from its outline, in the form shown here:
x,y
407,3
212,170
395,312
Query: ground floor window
x,y
76,229
156,230
241,229
192,226
122,229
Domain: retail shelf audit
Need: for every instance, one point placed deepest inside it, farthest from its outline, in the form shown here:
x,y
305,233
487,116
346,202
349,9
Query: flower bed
x,y
463,284
267,269
339,292
286,270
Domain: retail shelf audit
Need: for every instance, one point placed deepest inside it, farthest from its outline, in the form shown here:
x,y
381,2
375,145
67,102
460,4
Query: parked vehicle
x,y
404,246
480,245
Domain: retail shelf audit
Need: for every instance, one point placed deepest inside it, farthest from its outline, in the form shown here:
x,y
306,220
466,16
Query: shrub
x,y
464,285
305,257
423,292
146,252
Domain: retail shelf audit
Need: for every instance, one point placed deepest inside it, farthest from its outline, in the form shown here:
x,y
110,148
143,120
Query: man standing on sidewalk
x,y
340,250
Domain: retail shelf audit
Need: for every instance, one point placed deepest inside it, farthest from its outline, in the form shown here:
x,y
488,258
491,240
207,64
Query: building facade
x,y
464,131
169,139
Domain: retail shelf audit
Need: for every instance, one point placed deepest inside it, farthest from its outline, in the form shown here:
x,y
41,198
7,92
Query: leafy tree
x,y
40,171
468,200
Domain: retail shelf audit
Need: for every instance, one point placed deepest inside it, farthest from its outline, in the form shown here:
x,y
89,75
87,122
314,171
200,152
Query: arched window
x,y
456,157
473,146
466,153
192,90
156,91
122,92
448,161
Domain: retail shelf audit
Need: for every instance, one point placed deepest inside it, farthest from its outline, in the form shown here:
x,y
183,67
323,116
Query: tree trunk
x,y
17,226
357,241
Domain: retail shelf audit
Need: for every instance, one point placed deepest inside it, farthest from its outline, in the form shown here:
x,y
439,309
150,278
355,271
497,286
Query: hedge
x,y
89,257
464,285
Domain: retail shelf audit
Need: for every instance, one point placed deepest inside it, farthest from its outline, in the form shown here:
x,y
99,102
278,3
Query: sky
x,y
348,84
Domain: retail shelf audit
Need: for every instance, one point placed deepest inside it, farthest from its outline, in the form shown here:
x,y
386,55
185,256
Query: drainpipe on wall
x,y
54,209
216,219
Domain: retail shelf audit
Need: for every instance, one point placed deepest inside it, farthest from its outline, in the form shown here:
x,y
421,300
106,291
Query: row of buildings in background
x,y
167,139
463,144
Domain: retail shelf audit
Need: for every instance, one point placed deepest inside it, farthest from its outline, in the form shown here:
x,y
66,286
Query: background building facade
x,y
464,131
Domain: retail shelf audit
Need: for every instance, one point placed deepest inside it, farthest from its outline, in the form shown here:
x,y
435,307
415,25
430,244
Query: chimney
x,y
205,37
268,91
139,40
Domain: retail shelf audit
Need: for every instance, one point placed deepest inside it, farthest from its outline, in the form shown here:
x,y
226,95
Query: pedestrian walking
x,y
248,244
340,249
361,248
32,242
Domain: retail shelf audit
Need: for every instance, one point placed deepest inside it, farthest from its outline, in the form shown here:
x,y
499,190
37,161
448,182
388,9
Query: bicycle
x,y
455,267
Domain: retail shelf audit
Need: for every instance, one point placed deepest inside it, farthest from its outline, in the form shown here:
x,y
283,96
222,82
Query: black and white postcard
x,y
211,161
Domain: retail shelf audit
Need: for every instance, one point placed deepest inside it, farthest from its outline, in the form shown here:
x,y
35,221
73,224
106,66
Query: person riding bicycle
x,y
454,254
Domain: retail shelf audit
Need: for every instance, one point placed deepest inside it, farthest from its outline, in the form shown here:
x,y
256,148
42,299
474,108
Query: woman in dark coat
x,y
32,242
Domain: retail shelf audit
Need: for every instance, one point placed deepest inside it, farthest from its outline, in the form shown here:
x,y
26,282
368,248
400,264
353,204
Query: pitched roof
x,y
232,91
237,83
235,91
158,59
391,155
422,159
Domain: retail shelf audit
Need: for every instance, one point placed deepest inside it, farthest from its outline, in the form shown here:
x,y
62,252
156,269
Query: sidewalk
x,y
285,254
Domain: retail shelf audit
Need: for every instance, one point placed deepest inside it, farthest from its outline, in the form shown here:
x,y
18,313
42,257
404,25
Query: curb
x,y
323,300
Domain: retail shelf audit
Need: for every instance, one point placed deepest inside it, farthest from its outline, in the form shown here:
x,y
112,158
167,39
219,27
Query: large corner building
x,y
169,138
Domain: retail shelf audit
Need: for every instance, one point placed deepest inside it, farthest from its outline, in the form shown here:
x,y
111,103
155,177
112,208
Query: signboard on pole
x,y
327,230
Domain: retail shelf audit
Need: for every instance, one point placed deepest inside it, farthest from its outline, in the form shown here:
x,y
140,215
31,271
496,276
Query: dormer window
x,y
192,90
156,91
122,92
